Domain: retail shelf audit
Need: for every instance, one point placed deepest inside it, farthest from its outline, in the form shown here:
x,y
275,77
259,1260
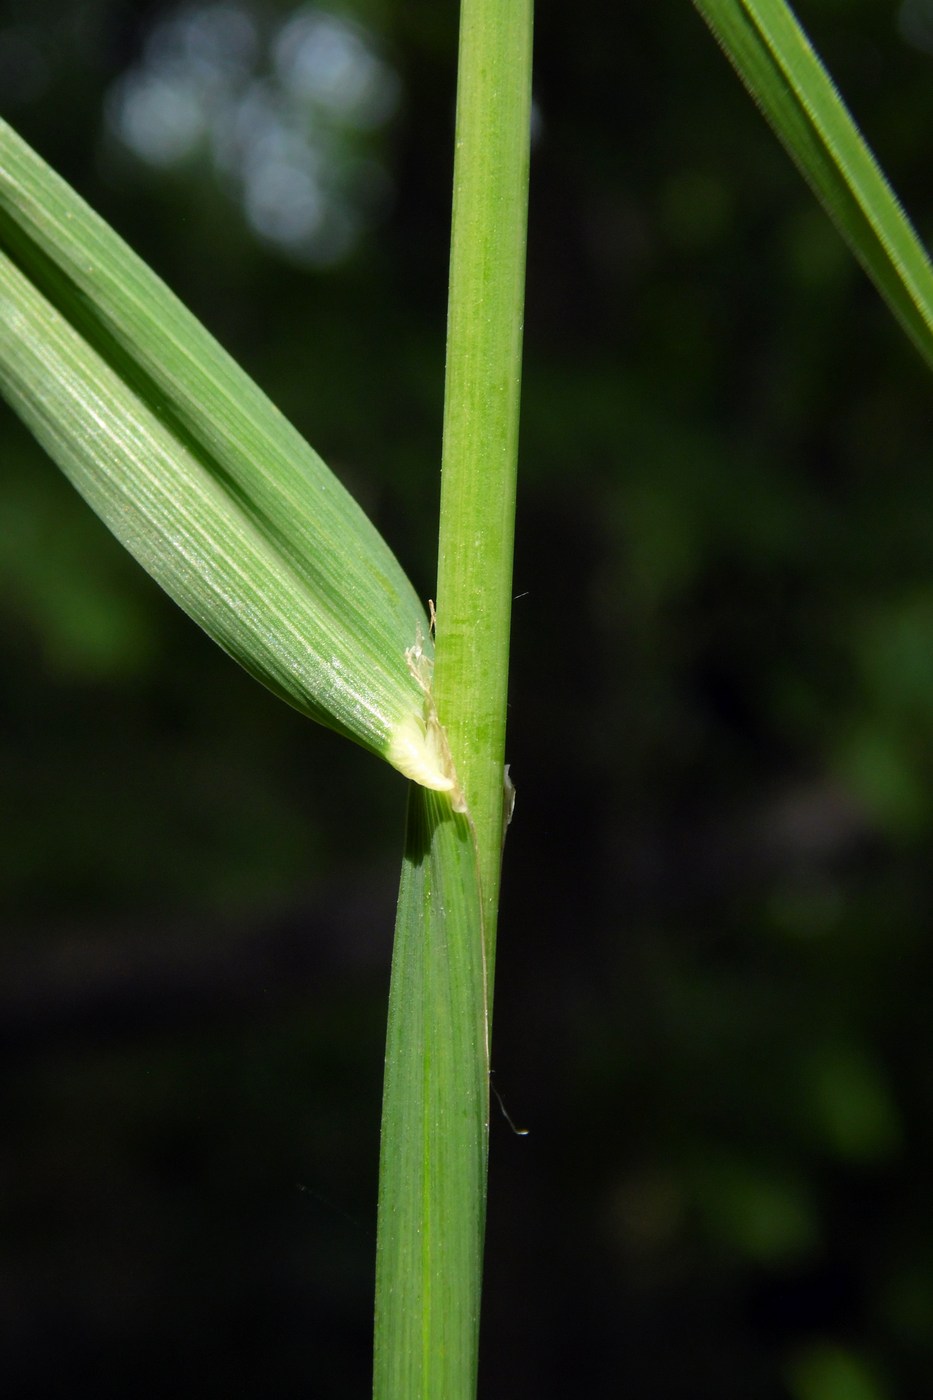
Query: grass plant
x,y
240,521
432,1203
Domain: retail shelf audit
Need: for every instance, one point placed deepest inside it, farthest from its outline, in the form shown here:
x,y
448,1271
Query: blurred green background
x,y
715,953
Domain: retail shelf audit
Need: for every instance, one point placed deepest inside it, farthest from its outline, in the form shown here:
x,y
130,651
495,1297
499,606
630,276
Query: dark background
x,y
715,956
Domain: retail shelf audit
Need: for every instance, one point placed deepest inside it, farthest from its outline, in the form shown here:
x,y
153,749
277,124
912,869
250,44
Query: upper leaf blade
x,y
199,475
776,62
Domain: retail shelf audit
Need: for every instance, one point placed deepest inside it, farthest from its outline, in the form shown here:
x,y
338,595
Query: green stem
x,y
484,335
432,1175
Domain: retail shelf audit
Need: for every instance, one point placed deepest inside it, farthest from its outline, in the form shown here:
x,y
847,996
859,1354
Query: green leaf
x,y
775,61
432,1176
201,477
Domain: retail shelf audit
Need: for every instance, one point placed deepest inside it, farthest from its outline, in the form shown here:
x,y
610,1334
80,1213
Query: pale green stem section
x,y
484,336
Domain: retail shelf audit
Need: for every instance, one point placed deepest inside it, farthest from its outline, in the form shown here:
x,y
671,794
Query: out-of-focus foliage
x,y
715,955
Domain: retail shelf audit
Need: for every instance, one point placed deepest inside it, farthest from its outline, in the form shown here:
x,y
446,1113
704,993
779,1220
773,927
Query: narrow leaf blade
x,y
773,57
199,475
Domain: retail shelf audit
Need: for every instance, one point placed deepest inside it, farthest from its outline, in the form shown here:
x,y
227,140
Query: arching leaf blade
x,y
775,60
199,475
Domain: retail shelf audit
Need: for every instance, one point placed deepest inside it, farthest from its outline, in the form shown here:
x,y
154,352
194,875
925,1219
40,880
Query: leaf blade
x,y
241,522
776,62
